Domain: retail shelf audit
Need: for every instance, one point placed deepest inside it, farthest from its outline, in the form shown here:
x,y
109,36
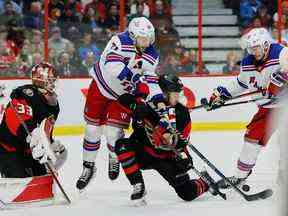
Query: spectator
x,y
23,66
112,21
91,21
139,12
57,43
34,19
170,65
87,64
248,10
15,39
161,9
146,9
37,45
284,13
15,6
264,16
74,57
189,61
71,13
73,34
166,35
7,58
231,64
88,46
64,67
160,18
37,58
9,14
99,8
284,36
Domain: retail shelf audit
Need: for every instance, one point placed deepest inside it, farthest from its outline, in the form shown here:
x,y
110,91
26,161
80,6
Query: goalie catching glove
x,y
40,143
218,98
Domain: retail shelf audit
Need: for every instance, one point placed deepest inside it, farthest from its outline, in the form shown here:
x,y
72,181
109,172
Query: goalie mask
x,y
44,76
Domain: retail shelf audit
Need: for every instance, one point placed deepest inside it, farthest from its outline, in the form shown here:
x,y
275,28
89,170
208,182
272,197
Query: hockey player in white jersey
x,y
263,69
127,65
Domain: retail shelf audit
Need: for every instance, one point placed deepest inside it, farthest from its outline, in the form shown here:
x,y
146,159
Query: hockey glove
x,y
278,84
184,162
163,138
40,145
218,98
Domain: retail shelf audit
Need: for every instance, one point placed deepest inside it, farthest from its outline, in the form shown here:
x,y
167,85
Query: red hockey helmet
x,y
44,76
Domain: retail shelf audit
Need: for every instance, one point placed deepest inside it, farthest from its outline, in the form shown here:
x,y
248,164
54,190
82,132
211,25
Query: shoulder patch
x,y
29,92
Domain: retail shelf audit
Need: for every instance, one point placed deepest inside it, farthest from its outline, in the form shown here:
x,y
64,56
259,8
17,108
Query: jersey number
x,y
24,109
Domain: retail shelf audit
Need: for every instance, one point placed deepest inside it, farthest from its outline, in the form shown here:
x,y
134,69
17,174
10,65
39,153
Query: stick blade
x,y
261,195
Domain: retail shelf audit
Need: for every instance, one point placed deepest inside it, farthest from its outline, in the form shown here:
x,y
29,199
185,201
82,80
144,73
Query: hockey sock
x,y
247,159
201,185
130,166
90,150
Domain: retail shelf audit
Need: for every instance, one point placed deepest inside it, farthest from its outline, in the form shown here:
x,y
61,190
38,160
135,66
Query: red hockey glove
x,y
278,82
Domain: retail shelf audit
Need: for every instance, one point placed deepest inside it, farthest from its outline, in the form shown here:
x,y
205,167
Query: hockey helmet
x,y
170,83
141,27
44,76
256,38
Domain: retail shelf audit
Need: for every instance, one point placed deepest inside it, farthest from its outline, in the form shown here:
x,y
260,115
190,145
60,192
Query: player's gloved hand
x,y
142,91
218,98
184,161
163,137
277,85
40,148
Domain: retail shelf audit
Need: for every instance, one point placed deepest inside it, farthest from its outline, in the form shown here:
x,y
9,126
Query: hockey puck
x,y
245,187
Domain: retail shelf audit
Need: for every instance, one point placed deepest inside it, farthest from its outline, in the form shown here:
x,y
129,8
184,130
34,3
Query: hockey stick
x,y
236,97
46,164
198,173
261,195
3,205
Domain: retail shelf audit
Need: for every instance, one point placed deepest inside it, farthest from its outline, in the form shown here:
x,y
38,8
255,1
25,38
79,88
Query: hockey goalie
x,y
26,142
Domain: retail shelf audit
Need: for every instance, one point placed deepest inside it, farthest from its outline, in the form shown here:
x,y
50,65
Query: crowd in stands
x,y
79,30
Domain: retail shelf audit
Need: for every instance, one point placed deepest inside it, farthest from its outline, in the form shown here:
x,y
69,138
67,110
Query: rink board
x,y
72,100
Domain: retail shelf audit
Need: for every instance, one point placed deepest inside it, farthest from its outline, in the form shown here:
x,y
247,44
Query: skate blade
x,y
139,202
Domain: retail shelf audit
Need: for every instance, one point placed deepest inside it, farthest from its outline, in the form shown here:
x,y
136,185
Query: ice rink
x,y
112,198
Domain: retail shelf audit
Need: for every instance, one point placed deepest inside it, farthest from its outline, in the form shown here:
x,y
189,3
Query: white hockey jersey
x,y
120,67
255,76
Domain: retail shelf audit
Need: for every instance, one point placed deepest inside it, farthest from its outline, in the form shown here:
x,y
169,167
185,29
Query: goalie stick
x,y
49,167
248,197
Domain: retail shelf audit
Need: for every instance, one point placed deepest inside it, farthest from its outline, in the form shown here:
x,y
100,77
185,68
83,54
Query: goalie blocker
x,y
22,156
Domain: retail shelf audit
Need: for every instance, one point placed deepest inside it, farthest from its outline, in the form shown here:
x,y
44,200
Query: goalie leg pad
x,y
30,189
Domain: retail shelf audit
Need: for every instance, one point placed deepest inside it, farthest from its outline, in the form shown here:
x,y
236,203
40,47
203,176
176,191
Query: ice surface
x,y
112,198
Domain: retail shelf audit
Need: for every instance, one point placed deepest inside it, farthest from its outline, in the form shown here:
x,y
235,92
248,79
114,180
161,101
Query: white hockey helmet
x,y
257,37
141,27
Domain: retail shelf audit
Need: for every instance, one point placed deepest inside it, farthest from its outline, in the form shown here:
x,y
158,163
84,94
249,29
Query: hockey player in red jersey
x,y
128,61
156,145
33,107
263,69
